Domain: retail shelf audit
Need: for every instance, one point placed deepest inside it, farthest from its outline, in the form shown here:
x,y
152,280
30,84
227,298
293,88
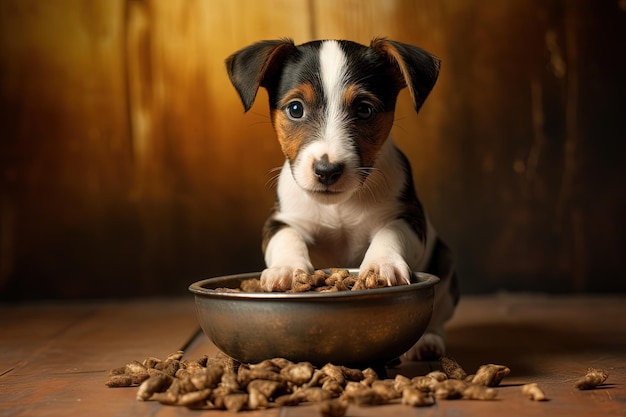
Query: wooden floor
x,y
54,358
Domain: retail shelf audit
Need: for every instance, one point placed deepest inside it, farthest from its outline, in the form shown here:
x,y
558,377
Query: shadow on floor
x,y
526,348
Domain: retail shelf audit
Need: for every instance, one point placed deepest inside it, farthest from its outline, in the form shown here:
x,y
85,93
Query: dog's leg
x,y
391,252
432,344
285,253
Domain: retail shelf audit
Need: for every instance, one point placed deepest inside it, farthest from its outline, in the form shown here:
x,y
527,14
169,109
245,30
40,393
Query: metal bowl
x,y
368,327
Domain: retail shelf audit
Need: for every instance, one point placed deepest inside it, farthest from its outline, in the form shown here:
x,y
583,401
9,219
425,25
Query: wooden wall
x,y
128,168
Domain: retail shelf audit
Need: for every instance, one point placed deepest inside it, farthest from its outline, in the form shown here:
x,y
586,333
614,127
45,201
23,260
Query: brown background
x,y
127,166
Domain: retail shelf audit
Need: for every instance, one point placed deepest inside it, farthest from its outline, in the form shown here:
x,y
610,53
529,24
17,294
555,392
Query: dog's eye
x,y
364,110
295,110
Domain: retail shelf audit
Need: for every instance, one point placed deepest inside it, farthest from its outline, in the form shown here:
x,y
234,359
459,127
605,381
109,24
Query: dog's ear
x,y
257,66
417,69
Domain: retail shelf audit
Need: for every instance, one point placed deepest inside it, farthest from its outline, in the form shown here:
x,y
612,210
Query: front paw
x,y
393,271
280,278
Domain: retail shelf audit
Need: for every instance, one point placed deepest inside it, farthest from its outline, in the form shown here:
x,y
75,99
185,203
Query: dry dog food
x,y
221,383
592,379
534,392
320,281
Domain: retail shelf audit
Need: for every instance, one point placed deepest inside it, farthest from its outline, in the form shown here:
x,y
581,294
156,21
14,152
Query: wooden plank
x,y
67,351
57,357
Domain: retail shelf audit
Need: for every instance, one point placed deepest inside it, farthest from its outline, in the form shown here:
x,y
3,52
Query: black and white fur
x,y
345,193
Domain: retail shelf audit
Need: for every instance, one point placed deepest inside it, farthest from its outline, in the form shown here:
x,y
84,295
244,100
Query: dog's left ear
x,y
417,69
257,66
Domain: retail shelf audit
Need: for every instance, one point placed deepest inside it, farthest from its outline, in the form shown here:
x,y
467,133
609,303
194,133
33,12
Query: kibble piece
x,y
333,408
156,383
490,375
424,383
352,374
333,386
592,379
298,373
452,368
450,389
251,285
416,398
437,375
374,280
400,382
334,372
359,285
288,400
256,399
301,281
534,392
369,376
478,392
169,366
119,381
315,394
265,387
135,367
222,360
246,374
366,397
229,382
236,401
318,279
386,390
167,397
194,397
344,273
208,378
175,356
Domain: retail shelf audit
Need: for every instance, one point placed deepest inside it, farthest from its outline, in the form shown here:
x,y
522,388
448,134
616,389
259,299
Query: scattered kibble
x,y
490,375
333,408
452,368
220,383
592,379
534,392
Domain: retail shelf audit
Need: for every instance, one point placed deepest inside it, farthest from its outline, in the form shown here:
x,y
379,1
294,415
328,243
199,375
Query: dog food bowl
x,y
352,328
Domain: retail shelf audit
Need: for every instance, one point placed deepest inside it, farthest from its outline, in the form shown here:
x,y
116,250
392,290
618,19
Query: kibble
x,y
490,375
319,281
534,392
219,383
452,368
592,379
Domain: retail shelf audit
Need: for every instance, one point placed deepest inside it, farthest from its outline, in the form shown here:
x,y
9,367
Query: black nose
x,y
327,172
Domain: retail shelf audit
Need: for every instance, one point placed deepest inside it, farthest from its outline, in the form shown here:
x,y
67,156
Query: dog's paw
x,y
394,271
431,346
278,278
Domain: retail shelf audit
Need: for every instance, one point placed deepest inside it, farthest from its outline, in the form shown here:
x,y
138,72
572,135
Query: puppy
x,y
345,193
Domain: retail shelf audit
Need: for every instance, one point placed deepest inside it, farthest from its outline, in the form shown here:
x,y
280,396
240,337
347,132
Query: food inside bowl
x,y
331,280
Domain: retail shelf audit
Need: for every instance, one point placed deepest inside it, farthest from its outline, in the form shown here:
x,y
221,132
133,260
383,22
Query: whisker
x,y
273,175
374,183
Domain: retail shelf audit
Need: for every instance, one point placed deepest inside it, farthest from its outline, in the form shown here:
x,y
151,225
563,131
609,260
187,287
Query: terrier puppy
x,y
345,193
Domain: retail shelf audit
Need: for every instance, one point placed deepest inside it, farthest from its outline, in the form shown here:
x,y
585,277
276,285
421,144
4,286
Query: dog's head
x,y
332,103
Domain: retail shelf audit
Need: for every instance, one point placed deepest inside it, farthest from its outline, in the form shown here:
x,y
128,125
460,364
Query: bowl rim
x,y
424,281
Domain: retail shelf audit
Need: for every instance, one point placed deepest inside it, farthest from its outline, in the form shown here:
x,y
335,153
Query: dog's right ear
x,y
257,66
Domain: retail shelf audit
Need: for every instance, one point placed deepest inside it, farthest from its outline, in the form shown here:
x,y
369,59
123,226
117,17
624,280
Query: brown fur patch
x,y
292,134
304,92
289,136
372,134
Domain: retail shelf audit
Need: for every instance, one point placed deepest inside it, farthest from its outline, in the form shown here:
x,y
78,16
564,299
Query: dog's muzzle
x,y
326,172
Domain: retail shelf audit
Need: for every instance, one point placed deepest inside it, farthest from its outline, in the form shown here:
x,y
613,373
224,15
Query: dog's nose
x,y
327,172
